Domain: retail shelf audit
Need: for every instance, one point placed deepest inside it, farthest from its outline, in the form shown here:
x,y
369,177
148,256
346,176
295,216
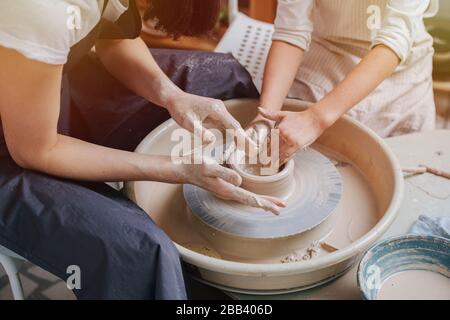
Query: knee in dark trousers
x,y
58,224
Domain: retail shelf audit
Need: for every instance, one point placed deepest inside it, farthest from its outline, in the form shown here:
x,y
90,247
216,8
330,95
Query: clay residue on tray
x,y
314,250
306,254
202,249
339,163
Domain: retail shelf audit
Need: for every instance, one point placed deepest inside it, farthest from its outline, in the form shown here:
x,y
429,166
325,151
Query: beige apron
x,y
403,103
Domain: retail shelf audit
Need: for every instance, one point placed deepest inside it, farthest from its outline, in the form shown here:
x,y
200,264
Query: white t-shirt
x,y
45,30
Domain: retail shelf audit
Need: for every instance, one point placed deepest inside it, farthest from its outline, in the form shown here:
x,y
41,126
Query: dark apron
x,y
55,223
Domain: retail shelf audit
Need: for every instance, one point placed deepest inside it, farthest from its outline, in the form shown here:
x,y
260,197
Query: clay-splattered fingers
x,y
230,149
271,204
275,116
287,153
229,122
226,174
193,124
274,200
228,191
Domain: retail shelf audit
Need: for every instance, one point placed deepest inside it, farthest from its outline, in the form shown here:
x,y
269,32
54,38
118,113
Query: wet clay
x,y
252,169
356,214
303,255
415,285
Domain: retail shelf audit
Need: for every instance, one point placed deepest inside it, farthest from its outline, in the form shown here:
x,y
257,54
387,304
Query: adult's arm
x,y
131,63
29,110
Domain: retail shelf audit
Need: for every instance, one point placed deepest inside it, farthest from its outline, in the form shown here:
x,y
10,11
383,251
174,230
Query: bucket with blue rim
x,y
399,254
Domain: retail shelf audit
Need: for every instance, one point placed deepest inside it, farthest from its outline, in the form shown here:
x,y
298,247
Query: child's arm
x,y
281,68
300,129
377,66
292,37
390,47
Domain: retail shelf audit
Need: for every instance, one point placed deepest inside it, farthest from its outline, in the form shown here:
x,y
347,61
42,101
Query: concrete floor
x,y
38,284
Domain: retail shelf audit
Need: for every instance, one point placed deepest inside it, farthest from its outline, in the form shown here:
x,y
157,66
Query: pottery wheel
x,y
318,190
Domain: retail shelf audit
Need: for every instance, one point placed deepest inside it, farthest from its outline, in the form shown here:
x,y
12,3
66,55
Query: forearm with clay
x,y
131,62
29,109
79,160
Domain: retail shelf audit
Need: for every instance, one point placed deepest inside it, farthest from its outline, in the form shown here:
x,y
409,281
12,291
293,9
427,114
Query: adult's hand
x,y
223,182
196,114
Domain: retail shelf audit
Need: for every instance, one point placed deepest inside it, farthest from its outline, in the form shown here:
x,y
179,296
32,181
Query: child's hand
x,y
298,130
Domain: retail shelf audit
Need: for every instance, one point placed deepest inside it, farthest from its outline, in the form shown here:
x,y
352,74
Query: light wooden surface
x,y
442,86
263,10
424,194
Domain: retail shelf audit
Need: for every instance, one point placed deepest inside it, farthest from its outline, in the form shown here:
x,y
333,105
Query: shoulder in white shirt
x,y
45,30
402,22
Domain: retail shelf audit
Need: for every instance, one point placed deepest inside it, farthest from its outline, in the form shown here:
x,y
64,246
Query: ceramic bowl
x,y
404,253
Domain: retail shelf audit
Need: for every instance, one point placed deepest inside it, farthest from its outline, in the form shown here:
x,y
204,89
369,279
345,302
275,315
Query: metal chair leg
x,y
12,267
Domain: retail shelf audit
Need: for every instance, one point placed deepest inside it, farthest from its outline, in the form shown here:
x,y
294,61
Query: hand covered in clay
x,y
223,182
258,132
297,130
196,114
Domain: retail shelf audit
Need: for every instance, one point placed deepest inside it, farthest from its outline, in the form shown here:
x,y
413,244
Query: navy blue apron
x,y
57,223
